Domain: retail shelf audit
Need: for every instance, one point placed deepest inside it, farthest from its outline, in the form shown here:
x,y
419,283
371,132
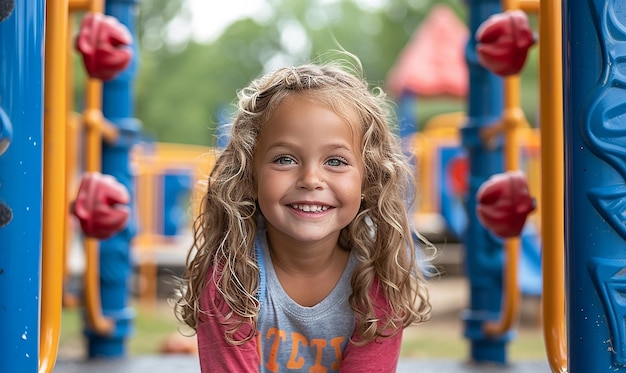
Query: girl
x,y
303,257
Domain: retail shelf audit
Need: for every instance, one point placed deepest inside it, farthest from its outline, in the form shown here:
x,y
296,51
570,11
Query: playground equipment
x,y
43,226
457,153
33,202
106,49
502,42
165,174
552,219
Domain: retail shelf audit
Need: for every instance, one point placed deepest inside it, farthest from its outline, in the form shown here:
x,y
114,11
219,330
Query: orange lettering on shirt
x,y
336,343
277,335
319,345
296,362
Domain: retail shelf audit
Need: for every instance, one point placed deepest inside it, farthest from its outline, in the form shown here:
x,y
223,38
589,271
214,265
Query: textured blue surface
x,y
595,173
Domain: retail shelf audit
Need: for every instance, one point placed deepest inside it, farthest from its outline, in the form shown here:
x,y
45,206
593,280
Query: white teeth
x,y
310,208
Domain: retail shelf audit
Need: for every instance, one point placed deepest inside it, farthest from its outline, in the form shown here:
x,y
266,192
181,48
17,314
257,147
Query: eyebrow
x,y
329,146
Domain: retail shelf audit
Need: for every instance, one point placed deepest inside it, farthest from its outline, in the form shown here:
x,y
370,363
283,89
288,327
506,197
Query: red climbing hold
x,y
101,205
503,42
103,42
504,203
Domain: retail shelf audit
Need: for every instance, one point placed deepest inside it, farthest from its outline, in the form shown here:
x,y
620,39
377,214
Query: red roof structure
x,y
433,62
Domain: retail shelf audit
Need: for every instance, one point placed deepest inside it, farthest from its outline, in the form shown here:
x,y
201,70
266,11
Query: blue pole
x,y
115,259
21,107
595,173
483,262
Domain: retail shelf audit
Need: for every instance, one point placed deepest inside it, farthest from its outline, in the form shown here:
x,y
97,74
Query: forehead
x,y
319,105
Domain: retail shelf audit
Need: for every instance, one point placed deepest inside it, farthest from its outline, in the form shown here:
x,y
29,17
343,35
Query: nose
x,y
311,177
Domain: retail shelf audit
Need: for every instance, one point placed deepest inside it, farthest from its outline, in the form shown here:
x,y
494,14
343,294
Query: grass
x,y
447,342
151,327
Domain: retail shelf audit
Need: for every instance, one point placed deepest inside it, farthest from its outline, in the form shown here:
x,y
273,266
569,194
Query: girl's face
x,y
308,172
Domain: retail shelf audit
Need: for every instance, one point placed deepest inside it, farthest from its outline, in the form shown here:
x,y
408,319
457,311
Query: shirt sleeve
x,y
380,355
215,352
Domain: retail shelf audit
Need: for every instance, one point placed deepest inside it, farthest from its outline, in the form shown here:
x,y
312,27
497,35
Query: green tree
x,y
185,88
155,20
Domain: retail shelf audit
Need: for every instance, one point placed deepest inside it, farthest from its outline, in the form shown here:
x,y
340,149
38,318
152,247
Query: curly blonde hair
x,y
380,235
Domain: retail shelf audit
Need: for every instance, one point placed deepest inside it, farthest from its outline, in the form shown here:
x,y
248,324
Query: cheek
x,y
351,189
267,188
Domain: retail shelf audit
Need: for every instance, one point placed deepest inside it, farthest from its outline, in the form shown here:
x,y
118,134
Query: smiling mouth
x,y
310,208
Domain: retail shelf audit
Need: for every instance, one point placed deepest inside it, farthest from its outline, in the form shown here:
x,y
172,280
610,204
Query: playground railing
x,y
53,228
512,120
551,83
151,163
94,124
435,148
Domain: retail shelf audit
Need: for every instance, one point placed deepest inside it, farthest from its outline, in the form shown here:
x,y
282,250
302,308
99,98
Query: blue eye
x,y
284,160
336,162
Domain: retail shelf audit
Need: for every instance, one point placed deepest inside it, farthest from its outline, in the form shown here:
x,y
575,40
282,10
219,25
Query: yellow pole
x,y
513,119
79,4
93,120
423,156
54,199
529,6
552,224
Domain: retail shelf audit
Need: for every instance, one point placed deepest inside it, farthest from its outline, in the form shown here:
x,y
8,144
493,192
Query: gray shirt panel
x,y
295,338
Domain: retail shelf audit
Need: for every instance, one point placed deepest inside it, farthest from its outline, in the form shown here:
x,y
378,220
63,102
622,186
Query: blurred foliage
x,y
185,88
155,20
